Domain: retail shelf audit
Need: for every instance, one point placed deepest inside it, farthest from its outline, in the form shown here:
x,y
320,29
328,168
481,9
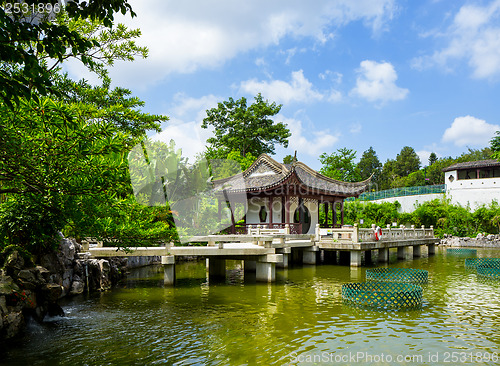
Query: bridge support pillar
x,y
287,252
216,267
402,252
355,258
284,264
249,266
431,249
265,272
383,255
168,262
309,255
417,251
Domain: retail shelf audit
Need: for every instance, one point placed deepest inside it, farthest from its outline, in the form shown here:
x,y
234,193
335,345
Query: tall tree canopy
x,y
368,165
29,38
432,158
247,129
64,144
495,146
340,165
407,161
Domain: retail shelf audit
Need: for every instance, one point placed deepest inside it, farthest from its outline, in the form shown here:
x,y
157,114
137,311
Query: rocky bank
x,y
33,290
480,241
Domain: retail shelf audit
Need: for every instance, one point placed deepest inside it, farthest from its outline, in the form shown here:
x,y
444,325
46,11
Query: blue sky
x,y
355,74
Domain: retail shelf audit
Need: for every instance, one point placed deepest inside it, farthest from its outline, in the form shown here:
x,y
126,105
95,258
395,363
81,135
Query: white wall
x,y
255,203
408,202
474,192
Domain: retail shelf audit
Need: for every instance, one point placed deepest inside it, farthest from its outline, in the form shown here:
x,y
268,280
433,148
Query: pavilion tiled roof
x,y
266,174
473,165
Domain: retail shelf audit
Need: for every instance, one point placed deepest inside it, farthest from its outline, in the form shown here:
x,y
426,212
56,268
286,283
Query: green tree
x,y
407,161
368,165
63,159
247,129
495,145
432,158
340,165
475,155
388,174
27,40
288,159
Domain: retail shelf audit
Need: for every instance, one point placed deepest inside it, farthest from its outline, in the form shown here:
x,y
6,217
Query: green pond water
x,y
300,319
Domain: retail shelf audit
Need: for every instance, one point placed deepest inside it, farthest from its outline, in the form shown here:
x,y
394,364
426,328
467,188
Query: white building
x,y
474,182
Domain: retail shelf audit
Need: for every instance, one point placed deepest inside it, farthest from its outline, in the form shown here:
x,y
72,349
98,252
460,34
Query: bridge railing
x,y
354,234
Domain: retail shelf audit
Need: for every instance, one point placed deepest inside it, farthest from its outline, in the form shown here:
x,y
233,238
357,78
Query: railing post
x,y
414,233
389,235
355,234
432,231
287,229
317,232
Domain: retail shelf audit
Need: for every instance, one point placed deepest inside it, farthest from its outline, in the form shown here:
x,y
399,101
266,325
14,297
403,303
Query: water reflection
x,y
239,321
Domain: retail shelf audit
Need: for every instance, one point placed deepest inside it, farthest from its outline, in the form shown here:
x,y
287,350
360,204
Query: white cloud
x,y
183,37
316,141
335,76
189,137
376,82
355,128
424,156
474,36
184,126
185,106
470,131
299,89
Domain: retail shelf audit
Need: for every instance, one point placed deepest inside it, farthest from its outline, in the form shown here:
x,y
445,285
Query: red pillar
x,y
342,213
287,210
334,214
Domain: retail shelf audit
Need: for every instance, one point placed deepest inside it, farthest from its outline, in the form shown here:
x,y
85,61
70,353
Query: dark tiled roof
x,y
266,173
473,165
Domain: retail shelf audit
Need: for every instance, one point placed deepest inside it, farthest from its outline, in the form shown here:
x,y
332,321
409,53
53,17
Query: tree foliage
x,y
495,146
447,218
288,159
432,158
368,165
247,129
28,40
64,144
340,165
407,161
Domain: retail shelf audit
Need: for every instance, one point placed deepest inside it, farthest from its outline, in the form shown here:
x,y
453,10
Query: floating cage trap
x,y
382,295
490,272
461,251
397,275
484,262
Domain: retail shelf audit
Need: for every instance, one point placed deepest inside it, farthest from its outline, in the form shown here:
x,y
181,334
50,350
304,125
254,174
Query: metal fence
x,y
400,192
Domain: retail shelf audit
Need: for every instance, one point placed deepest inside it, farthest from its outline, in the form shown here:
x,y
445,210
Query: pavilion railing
x,y
265,228
354,234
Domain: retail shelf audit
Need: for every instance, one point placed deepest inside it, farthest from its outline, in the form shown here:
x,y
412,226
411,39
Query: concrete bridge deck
x,y
263,253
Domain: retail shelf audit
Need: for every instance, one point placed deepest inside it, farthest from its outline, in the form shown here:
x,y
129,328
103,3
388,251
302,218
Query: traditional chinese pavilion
x,y
294,194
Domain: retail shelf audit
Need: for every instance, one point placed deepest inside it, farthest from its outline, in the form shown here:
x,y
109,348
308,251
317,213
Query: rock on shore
x,y
28,290
481,241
